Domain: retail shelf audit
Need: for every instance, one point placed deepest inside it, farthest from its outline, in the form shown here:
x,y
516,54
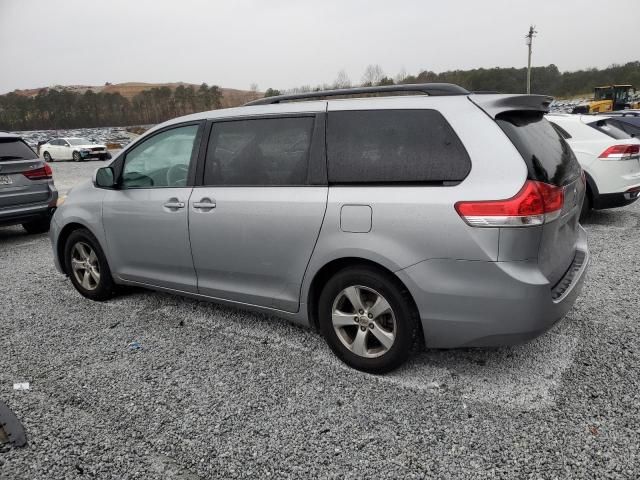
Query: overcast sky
x,y
288,43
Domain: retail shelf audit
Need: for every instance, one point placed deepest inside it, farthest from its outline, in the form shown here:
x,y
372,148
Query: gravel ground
x,y
221,393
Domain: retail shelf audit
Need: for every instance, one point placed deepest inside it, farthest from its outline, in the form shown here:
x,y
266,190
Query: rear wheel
x,y
368,319
46,156
87,266
37,226
76,156
587,205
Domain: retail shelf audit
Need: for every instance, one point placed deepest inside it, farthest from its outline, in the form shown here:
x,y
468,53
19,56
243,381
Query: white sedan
x,y
72,148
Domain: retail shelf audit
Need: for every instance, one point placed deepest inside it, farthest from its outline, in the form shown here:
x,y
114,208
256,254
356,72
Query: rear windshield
x,y
15,149
548,157
610,128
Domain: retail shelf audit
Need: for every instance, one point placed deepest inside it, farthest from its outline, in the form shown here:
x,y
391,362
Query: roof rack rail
x,y
431,89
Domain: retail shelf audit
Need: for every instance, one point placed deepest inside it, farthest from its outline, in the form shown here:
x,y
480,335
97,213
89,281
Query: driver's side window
x,y
161,161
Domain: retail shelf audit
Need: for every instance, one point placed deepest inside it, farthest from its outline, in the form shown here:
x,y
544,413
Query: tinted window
x,y
610,128
547,155
385,146
161,161
631,129
15,149
271,151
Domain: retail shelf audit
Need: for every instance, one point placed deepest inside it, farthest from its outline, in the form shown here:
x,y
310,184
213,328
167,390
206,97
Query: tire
x,y
93,280
587,205
76,157
47,157
398,325
38,226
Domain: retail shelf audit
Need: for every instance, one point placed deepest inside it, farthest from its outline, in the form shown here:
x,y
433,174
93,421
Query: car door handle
x,y
172,204
205,204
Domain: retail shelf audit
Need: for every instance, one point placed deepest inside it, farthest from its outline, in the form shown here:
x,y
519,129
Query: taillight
x,y
621,152
535,204
39,173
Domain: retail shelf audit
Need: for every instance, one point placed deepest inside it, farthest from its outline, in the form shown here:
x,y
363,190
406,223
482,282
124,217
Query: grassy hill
x,y
231,97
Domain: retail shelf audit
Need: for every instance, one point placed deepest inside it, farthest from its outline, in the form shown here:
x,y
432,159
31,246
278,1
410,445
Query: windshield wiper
x,y
11,157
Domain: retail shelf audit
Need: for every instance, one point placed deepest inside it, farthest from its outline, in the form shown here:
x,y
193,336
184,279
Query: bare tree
x,y
401,76
372,75
253,87
342,80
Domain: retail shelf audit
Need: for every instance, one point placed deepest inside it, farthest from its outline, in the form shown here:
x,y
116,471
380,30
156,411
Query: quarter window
x,y
161,161
266,151
391,146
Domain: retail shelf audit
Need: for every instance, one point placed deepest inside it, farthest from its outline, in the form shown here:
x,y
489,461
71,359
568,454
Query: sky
x,y
287,43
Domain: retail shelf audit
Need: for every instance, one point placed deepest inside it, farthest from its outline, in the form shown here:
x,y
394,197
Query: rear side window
x,y
267,151
393,146
610,128
15,149
548,156
632,129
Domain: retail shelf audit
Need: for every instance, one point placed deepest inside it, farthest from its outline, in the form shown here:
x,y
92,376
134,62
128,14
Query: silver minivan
x,y
422,215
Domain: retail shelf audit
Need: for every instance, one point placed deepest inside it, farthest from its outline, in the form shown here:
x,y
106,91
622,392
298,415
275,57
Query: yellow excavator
x,y
609,98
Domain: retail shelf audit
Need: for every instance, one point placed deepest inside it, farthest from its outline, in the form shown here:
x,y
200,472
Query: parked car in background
x,y
609,156
445,218
627,120
73,148
27,193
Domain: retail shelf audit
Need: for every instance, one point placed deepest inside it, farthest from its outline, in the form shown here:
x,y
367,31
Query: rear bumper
x,y
471,303
27,213
613,200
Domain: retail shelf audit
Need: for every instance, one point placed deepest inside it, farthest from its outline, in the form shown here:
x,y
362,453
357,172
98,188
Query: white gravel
x,y
222,393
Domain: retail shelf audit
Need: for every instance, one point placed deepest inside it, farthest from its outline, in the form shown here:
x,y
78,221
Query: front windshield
x,y
79,141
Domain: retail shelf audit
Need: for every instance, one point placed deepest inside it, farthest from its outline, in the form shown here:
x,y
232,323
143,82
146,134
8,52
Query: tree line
x,y
544,80
59,108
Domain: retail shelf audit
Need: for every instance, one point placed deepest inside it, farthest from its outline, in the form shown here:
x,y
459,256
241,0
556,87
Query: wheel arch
x,y
329,269
64,234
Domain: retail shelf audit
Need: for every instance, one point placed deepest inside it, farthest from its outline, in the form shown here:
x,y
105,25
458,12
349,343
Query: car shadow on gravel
x,y
16,234
522,376
611,218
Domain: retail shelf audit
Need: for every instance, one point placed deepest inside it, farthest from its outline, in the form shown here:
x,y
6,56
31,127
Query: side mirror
x,y
104,178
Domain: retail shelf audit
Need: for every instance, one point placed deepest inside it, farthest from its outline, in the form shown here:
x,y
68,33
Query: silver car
x,y
27,193
444,219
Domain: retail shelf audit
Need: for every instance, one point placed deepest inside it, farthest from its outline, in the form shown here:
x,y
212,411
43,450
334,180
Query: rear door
x,y
549,159
254,222
15,188
145,219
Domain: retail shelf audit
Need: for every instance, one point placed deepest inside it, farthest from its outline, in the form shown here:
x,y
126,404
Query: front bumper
x,y
89,155
474,303
54,233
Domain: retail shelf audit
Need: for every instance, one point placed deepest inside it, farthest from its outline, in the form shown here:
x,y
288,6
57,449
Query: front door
x,y
255,222
146,217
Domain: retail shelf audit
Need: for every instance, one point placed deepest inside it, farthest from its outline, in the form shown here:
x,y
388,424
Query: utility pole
x,y
529,40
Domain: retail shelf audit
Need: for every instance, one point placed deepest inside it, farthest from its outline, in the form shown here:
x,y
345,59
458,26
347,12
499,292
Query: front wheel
x,y
76,156
87,266
368,319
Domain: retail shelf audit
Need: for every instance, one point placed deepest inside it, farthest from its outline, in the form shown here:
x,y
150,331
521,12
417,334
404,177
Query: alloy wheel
x,y
364,321
85,266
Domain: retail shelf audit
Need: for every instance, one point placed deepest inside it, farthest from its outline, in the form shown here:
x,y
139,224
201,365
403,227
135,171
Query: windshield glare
x,y
79,141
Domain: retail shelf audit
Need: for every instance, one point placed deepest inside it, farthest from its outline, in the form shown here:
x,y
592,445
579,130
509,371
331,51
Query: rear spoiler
x,y
493,105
